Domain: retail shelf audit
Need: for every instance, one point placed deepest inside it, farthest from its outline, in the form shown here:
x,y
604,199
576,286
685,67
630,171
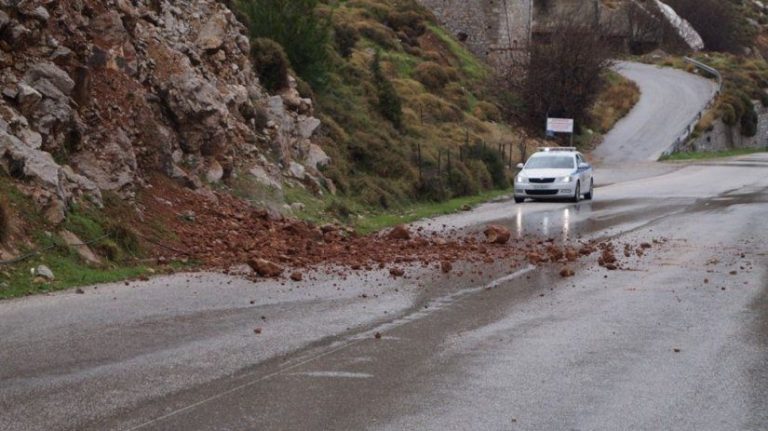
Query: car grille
x,y
542,180
542,192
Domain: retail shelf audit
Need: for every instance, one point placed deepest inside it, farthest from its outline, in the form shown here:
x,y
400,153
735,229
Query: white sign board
x,y
560,125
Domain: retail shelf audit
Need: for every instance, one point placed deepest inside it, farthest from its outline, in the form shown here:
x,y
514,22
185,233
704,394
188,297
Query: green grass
x,y
69,271
710,155
35,234
367,220
404,63
378,221
471,66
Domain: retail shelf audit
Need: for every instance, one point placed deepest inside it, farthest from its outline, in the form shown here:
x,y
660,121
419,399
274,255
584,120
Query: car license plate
x,y
538,187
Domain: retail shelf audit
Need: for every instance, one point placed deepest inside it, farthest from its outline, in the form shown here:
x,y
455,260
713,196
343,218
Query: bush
x,y
432,75
461,181
438,110
271,64
110,250
433,189
304,89
409,22
749,122
346,38
729,114
295,25
379,34
487,111
339,210
493,162
390,105
124,237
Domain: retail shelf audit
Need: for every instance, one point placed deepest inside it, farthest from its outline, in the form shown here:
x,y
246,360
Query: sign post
x,y
560,125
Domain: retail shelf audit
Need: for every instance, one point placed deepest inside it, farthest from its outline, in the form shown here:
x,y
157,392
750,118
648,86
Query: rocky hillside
x,y
122,121
98,96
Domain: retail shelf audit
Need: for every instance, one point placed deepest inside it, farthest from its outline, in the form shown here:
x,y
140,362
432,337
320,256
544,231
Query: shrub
x,y
124,237
728,114
346,38
389,104
338,209
493,163
461,181
297,27
110,250
433,189
271,64
432,75
487,111
409,22
438,110
379,34
304,89
749,122
764,99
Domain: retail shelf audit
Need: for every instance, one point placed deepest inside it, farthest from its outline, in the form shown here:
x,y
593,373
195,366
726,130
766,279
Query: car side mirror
x,y
520,166
584,166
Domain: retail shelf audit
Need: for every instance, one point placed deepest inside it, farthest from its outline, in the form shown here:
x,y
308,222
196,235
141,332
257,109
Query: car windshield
x,y
550,162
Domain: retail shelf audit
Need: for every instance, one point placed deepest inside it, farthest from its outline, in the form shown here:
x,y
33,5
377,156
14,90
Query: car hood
x,y
546,173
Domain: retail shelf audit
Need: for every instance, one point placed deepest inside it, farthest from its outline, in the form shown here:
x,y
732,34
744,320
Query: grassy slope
x,y
374,163
31,233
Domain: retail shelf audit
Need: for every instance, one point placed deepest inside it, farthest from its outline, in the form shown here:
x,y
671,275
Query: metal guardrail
x,y
683,136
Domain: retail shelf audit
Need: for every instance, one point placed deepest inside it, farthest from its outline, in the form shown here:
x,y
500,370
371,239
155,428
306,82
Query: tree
x,y
564,73
296,25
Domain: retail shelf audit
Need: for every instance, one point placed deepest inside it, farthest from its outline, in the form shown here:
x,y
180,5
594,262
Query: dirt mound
x,y
221,231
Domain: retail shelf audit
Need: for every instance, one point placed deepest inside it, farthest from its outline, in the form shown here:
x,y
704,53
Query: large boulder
x,y
495,234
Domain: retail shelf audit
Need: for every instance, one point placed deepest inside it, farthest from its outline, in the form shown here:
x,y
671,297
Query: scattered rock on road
x,y
397,272
297,276
567,272
266,268
496,234
399,233
446,266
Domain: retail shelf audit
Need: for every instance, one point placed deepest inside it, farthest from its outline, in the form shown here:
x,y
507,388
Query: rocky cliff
x,y
101,95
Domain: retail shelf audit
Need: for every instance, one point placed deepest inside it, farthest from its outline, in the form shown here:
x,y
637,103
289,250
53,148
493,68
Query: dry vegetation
x,y
395,85
618,97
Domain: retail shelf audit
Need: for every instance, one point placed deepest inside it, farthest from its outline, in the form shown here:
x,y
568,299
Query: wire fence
x,y
686,133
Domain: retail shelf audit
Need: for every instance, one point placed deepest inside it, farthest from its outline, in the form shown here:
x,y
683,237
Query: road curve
x,y
670,99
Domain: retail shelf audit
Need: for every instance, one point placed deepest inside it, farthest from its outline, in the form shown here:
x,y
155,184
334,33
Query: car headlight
x,y
521,179
567,179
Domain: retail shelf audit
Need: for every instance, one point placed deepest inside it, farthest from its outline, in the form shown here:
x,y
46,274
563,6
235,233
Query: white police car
x,y
555,173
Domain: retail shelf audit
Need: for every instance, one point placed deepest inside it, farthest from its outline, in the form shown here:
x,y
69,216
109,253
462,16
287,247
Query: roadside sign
x,y
560,125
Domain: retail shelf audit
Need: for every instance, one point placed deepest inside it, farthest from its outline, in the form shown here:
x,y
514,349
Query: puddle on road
x,y
577,221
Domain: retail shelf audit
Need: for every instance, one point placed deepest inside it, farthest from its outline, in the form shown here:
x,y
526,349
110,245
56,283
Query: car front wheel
x,y
577,195
588,196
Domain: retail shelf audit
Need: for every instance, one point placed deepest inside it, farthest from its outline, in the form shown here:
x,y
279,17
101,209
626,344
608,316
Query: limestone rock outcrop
x,y
101,95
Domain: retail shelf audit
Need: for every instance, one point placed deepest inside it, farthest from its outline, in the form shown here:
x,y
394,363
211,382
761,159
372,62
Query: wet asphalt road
x,y
678,340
